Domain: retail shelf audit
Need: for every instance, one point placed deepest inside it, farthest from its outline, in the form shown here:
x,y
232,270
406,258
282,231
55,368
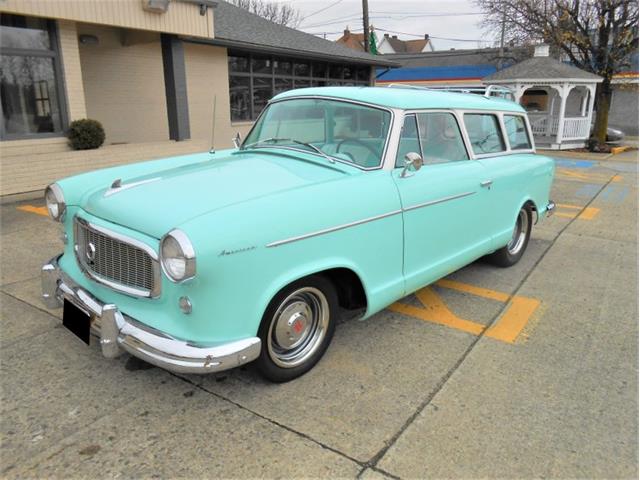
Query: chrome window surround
x,y
527,128
459,114
127,290
383,157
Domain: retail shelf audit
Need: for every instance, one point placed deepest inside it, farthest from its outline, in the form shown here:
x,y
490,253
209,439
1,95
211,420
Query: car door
x,y
444,206
506,171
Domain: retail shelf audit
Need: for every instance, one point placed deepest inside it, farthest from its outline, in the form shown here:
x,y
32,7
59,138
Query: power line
x,y
321,10
387,15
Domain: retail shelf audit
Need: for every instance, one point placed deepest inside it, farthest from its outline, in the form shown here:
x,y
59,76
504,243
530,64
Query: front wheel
x,y
511,253
297,328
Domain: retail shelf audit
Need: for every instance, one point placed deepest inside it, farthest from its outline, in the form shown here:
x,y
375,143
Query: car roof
x,y
407,98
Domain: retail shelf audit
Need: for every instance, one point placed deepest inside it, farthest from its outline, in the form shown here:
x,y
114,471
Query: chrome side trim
x,y
366,220
332,229
440,200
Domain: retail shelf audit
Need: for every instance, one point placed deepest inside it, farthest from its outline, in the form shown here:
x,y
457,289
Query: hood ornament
x,y
117,186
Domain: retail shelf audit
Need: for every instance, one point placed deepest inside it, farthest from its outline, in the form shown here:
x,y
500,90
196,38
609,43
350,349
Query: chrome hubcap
x,y
519,233
298,327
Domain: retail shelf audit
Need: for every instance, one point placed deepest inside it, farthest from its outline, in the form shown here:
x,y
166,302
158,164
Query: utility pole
x,y
365,23
501,54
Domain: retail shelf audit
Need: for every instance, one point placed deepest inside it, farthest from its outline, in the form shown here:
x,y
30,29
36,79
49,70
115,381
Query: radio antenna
x,y
213,127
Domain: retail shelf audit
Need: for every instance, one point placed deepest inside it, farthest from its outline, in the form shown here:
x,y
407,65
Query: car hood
x,y
158,201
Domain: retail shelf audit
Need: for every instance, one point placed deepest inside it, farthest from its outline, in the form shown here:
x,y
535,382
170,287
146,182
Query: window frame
x,y
61,91
463,132
501,131
527,128
500,114
311,78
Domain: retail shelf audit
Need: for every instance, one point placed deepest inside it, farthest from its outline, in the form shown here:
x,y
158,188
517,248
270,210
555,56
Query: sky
x,y
447,22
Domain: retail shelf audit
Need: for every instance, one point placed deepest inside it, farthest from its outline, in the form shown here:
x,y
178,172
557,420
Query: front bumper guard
x,y
119,332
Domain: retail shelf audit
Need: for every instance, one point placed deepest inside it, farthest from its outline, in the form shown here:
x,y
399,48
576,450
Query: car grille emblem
x,y
91,253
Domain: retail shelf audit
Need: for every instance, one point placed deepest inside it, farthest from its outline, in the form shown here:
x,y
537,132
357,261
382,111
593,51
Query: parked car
x,y
339,199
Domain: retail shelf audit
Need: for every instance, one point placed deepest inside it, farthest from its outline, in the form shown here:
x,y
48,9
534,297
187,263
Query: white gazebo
x,y
558,97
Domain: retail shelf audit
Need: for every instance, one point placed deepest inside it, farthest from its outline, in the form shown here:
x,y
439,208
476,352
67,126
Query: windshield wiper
x,y
299,142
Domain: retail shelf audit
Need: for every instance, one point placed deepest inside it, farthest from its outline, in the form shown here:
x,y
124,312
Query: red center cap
x,y
297,326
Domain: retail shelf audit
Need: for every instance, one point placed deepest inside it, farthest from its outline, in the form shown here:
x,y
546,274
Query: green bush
x,y
85,134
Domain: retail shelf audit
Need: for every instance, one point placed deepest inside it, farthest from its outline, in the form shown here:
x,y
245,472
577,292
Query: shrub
x,y
85,134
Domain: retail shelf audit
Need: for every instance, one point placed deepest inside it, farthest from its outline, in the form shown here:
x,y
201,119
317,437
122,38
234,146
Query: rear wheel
x,y
511,253
297,328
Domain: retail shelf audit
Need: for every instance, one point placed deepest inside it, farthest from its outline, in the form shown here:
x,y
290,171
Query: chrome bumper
x,y
551,207
119,332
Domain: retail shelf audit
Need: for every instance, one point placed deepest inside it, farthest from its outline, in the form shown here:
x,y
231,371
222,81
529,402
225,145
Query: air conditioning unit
x,y
155,6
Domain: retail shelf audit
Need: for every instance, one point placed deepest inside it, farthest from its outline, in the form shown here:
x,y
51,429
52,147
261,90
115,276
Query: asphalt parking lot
x,y
524,372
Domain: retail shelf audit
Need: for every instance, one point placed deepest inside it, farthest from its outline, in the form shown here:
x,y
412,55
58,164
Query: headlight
x,y
55,202
177,256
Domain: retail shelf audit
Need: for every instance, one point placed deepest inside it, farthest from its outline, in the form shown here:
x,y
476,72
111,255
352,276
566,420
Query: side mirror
x,y
412,163
237,140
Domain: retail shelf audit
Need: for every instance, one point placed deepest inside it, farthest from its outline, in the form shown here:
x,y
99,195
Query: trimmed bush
x,y
85,134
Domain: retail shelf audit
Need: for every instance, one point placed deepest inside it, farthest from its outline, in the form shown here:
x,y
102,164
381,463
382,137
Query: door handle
x,y
486,183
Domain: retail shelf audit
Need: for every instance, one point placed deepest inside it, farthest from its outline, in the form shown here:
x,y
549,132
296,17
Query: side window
x,y
408,139
484,133
441,138
517,132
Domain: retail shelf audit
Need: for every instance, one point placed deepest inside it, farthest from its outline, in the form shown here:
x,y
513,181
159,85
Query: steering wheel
x,y
358,141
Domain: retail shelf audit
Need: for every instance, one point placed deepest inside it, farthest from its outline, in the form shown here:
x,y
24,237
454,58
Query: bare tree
x,y
596,35
279,13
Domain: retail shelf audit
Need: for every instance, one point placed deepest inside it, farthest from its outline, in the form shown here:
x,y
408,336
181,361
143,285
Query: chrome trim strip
x,y
366,220
435,202
332,229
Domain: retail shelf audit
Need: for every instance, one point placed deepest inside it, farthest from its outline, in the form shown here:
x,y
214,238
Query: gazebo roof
x,y
542,69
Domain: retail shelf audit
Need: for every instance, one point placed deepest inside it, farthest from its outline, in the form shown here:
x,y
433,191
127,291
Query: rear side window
x,y
441,138
484,133
517,132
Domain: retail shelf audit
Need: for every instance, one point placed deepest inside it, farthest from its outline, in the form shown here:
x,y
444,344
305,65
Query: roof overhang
x,y
252,47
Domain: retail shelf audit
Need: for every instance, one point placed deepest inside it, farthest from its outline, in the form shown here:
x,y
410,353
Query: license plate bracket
x,y
77,321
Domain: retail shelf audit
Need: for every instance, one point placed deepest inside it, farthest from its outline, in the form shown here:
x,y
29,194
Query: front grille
x,y
116,261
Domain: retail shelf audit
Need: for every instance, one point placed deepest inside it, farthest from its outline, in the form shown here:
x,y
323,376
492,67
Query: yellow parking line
x,y
589,213
514,319
434,310
478,291
37,210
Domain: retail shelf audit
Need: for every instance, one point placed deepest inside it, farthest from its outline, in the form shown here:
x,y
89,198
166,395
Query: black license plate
x,y
77,321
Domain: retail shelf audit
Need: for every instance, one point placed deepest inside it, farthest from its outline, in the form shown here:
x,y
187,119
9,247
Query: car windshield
x,y
337,130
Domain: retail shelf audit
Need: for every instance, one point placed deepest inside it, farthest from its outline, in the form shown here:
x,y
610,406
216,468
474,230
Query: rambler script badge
x,y
232,252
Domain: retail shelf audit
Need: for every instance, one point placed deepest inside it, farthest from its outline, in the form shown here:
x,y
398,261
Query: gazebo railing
x,y
575,128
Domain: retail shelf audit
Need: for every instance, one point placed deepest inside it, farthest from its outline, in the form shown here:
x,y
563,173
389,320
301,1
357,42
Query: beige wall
x,y
208,77
124,84
181,18
72,70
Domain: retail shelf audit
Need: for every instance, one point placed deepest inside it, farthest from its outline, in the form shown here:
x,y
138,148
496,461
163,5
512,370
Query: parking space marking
x,y
565,173
588,213
37,210
507,329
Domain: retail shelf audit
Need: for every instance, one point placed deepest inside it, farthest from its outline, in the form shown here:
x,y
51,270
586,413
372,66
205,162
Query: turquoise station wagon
x,y
340,199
